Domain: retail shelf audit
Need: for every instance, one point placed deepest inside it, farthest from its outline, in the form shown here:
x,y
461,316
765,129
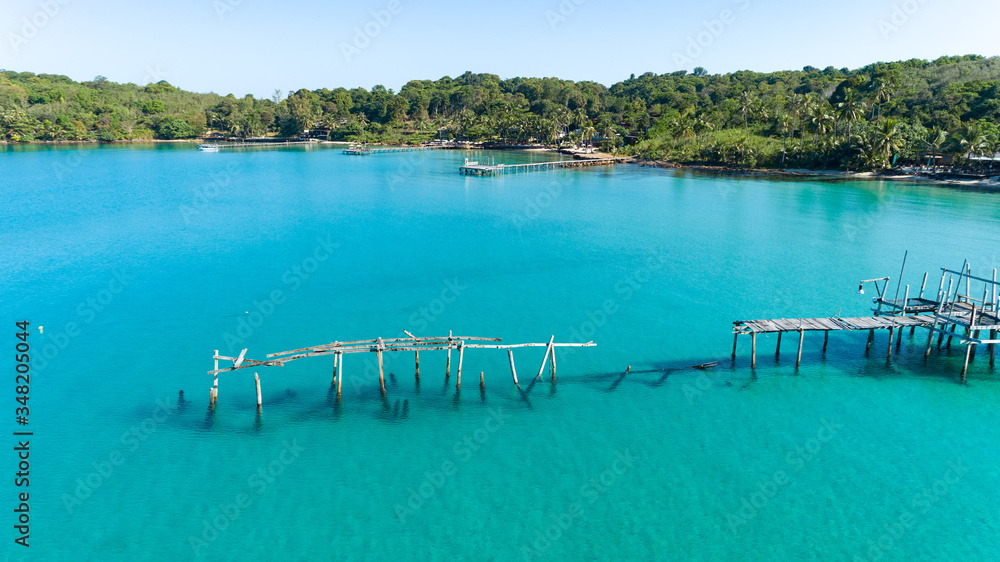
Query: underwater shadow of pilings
x,y
619,380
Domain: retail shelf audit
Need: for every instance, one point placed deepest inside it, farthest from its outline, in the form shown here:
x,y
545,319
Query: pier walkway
x,y
367,150
472,168
956,314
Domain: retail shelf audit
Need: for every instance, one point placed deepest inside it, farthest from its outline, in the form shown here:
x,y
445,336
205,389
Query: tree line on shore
x,y
869,118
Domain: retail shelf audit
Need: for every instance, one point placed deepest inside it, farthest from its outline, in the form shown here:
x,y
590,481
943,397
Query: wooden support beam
x,y
545,358
513,371
340,377
871,338
798,358
965,366
553,373
447,365
888,353
777,348
256,379
923,286
211,398
735,338
461,353
381,377
215,385
336,358
416,362
482,380
753,350
993,346
826,339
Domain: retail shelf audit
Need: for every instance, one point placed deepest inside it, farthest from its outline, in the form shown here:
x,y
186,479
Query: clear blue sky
x,y
254,46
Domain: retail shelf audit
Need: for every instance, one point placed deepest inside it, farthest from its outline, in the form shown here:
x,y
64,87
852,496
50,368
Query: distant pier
x,y
473,168
367,150
960,312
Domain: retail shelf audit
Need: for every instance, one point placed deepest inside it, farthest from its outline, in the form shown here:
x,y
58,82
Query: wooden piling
x,y
798,358
871,338
215,385
965,366
336,358
381,377
447,365
777,348
256,379
340,379
513,371
416,363
736,338
552,374
461,353
753,350
826,339
482,380
888,354
993,346
211,397
545,359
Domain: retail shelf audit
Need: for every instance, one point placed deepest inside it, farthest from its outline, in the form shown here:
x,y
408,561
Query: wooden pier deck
x,y
472,168
828,324
957,315
231,145
367,150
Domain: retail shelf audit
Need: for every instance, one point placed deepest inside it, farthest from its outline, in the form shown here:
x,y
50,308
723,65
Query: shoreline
x,y
791,173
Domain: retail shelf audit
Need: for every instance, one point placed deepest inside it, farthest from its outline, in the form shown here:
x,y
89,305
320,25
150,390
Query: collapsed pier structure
x,y
379,346
959,311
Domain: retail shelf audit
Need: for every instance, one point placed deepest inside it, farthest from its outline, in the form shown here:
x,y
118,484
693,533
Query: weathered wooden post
x,y
777,348
336,357
378,353
447,365
215,385
753,350
553,374
934,325
798,358
482,380
871,338
339,358
736,337
461,353
513,371
256,379
826,339
993,347
888,354
545,359
906,299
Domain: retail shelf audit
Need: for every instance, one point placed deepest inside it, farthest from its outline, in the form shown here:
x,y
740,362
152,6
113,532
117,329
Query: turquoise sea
x,y
132,264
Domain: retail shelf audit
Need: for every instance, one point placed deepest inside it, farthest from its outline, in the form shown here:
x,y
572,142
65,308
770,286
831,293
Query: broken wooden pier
x,y
960,311
380,346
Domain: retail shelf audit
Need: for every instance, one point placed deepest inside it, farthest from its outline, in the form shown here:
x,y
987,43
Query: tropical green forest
x,y
871,118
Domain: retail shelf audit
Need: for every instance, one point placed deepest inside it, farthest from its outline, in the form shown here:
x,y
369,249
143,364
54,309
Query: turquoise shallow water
x,y
158,255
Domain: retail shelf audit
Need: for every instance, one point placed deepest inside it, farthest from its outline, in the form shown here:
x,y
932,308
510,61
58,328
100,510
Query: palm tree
x,y
821,119
973,140
887,140
587,133
936,138
784,122
882,93
851,109
795,104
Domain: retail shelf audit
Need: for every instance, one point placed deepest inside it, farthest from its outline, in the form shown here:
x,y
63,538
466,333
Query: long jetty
x,y
473,168
224,145
379,346
961,316
367,150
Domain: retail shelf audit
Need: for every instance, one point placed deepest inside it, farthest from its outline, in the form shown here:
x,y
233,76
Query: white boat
x,y
208,147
